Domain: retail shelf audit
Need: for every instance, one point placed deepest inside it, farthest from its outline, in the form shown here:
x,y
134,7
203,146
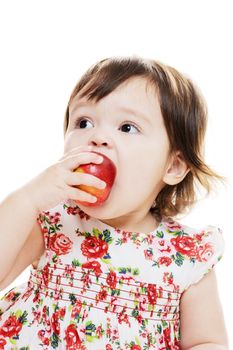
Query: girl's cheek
x,y
70,141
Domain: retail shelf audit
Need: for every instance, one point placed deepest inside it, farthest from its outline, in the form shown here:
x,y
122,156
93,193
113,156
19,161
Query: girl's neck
x,y
144,225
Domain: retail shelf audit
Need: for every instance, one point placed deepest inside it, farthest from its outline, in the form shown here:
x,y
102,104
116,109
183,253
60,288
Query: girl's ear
x,y
176,170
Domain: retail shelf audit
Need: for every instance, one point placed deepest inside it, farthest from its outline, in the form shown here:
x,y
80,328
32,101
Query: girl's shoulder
x,y
201,248
177,228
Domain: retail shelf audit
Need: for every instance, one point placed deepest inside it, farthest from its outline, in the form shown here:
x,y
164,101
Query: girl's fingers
x,y
75,150
76,194
76,178
72,162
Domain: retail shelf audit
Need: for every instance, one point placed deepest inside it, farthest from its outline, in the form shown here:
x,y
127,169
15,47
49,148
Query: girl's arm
x,y
17,217
201,316
33,248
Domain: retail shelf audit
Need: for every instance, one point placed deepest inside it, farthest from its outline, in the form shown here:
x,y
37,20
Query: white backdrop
x,y
47,45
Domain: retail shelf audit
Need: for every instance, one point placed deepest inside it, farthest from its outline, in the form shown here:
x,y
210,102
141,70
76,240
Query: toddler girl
x,y
125,274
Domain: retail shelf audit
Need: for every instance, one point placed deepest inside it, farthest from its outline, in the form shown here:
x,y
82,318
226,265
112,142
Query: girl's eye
x,y
81,122
128,125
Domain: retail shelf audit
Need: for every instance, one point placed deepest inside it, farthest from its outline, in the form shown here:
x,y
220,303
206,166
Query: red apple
x,y
105,171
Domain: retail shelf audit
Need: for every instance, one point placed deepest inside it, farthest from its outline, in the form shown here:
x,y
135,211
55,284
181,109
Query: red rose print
x,y
199,236
205,252
45,274
108,347
93,247
10,296
41,334
184,245
62,312
167,338
176,345
102,295
12,326
168,277
72,339
135,347
173,225
60,244
76,309
55,323
93,265
123,318
42,337
37,296
142,301
152,293
166,247
148,254
54,219
164,260
112,279
45,341
2,343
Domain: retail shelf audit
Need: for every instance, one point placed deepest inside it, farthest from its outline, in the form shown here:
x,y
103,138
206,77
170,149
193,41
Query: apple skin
x,y
105,171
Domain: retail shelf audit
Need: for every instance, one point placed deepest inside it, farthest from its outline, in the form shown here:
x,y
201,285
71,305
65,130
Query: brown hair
x,y
184,113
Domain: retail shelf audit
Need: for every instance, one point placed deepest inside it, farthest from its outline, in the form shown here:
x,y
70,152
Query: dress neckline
x,y
103,225
120,231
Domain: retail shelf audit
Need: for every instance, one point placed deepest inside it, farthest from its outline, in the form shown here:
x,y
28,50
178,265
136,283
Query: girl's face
x,y
126,126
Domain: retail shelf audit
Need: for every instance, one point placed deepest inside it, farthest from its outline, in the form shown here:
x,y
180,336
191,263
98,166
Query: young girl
x,y
125,274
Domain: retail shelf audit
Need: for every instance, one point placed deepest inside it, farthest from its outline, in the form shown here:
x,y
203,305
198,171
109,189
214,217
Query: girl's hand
x,y
55,184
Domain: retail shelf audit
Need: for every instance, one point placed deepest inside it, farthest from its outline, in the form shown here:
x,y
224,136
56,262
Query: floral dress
x,y
101,288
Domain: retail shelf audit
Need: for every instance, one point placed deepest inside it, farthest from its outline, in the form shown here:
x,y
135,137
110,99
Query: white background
x,y
47,45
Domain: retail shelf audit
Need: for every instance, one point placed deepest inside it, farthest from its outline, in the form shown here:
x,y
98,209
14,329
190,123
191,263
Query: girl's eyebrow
x,y
79,105
125,109
136,113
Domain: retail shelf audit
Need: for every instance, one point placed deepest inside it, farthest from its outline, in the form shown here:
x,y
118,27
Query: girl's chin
x,y
90,207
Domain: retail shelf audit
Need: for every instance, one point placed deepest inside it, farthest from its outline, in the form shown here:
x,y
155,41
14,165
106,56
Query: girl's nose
x,y
98,139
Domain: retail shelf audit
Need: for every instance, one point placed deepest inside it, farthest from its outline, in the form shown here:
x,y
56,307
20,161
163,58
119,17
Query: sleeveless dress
x,y
101,288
